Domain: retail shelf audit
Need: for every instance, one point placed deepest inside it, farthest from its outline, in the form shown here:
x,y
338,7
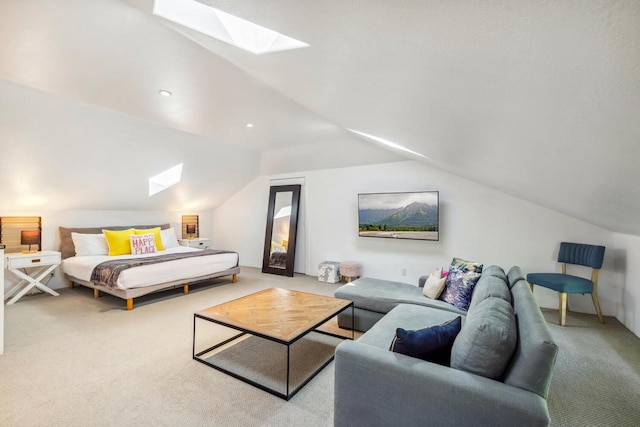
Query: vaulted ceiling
x,y
539,99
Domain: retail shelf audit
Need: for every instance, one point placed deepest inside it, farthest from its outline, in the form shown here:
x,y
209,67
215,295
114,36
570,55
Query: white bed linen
x,y
81,267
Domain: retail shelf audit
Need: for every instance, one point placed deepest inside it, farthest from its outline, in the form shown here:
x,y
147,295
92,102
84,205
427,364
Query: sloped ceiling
x,y
539,99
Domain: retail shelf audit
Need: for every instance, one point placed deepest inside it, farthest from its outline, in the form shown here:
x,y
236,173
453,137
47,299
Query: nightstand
x,y
44,263
199,243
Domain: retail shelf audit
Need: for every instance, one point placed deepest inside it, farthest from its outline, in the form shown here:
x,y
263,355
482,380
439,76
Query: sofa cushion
x,y
489,286
462,278
382,296
432,344
486,343
495,271
406,316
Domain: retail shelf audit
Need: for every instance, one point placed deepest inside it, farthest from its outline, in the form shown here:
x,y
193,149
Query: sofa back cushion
x,y
496,271
531,366
486,342
487,287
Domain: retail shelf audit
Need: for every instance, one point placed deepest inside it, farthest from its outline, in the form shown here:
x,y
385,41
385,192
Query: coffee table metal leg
x,y
288,366
353,322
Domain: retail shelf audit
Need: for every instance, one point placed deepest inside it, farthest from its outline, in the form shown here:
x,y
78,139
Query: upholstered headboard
x,y
67,247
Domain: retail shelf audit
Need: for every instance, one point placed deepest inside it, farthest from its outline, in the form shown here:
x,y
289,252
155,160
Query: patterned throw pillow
x,y
432,344
462,278
143,244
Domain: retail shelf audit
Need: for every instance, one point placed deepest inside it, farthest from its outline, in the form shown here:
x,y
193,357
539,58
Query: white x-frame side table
x,y
44,263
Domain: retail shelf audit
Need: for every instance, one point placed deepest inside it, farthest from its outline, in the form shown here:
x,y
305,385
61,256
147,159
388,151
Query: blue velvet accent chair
x,y
579,254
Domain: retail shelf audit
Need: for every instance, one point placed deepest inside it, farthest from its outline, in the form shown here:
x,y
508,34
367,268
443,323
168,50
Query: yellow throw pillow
x,y
156,237
118,241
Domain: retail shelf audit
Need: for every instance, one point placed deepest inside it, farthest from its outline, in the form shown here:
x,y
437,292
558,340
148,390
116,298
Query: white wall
x,y
627,255
477,223
51,220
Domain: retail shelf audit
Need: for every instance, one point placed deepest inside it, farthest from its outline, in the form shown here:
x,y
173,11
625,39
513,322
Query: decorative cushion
x,y
487,341
90,244
169,239
143,244
118,241
432,344
156,236
67,248
434,284
462,278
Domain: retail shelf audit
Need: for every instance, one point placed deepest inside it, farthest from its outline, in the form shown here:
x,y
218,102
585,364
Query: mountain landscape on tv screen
x,y
416,216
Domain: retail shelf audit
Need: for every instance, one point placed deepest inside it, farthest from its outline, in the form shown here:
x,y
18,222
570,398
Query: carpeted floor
x,y
79,361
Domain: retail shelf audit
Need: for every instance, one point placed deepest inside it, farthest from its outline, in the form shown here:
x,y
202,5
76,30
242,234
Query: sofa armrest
x,y
422,280
376,387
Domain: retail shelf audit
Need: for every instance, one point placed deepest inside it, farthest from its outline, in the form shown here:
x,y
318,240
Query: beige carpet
x,y
78,361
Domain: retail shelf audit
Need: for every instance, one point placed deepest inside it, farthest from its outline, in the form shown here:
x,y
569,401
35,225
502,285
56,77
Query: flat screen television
x,y
399,215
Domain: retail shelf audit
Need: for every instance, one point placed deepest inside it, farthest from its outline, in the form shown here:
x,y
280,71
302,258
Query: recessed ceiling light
x,y
249,125
386,142
224,26
165,92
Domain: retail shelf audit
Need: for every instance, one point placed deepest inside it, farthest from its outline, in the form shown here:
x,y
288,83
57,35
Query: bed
x,y
176,266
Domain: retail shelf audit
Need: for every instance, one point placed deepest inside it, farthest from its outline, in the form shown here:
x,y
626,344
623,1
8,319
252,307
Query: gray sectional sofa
x,y
489,383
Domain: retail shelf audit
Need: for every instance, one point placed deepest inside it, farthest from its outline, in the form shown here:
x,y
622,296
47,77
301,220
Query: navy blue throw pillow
x,y
432,344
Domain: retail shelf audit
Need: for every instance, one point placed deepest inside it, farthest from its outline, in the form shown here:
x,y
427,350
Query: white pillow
x,y
169,239
143,244
90,244
434,285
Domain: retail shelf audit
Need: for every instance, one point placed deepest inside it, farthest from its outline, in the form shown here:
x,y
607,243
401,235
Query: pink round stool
x,y
349,270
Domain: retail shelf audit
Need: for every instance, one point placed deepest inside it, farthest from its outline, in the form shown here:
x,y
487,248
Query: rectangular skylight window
x,y
165,179
225,27
386,142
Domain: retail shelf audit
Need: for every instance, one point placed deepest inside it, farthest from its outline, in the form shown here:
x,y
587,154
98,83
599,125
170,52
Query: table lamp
x,y
29,237
191,229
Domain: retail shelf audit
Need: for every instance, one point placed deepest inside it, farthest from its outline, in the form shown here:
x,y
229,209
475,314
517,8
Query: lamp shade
x,y
29,237
191,228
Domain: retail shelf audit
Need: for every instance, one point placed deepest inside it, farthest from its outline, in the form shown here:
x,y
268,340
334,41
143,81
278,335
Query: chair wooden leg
x,y
234,279
96,293
596,304
563,307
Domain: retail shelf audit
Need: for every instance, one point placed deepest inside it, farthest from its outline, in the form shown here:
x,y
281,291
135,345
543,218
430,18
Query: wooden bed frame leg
x,y
130,304
71,284
96,293
185,288
234,279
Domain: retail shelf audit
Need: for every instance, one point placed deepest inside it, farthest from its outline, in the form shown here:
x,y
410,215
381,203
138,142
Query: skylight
x,y
165,179
386,142
225,27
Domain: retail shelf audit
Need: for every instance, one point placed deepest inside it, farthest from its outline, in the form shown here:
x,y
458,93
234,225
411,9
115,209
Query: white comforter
x,y
81,267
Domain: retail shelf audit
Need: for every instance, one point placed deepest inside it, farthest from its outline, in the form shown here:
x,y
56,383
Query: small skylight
x,y
165,179
386,142
225,27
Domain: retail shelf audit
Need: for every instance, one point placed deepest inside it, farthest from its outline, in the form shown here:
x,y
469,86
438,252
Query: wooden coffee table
x,y
280,315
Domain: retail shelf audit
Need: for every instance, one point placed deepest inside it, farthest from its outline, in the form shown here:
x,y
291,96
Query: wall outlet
x,y
404,271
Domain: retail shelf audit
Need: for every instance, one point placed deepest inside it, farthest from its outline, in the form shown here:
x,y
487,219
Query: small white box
x,y
329,272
